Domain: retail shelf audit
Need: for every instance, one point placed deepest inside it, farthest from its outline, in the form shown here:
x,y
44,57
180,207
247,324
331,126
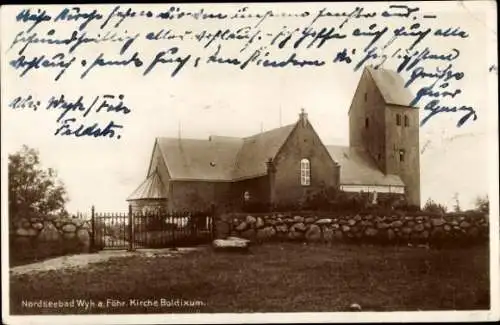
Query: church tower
x,y
382,123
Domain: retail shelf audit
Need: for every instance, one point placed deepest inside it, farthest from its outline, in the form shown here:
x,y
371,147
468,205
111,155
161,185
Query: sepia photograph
x,y
250,162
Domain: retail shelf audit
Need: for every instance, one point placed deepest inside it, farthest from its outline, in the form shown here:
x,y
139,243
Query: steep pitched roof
x,y
358,168
392,86
151,188
222,158
257,149
195,159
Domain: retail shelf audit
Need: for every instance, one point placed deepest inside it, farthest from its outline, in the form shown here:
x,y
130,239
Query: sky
x,y
223,100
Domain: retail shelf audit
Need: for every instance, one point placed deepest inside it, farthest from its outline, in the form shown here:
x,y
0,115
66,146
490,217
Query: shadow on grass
x,y
275,277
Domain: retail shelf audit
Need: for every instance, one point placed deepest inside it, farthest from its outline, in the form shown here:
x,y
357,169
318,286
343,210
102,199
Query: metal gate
x,y
151,230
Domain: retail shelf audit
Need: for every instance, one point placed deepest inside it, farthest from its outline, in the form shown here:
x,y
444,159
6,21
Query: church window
x,y
407,121
398,119
305,172
367,123
401,155
366,97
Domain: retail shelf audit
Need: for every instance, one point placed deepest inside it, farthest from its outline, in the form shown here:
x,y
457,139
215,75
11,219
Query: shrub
x,y
433,207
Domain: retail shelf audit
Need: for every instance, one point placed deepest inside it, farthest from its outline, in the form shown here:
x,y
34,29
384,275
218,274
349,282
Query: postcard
x,y
250,162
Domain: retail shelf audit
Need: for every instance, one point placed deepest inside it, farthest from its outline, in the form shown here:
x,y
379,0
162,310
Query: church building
x,y
282,165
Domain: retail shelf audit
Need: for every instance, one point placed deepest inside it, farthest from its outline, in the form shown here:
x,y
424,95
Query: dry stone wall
x,y
368,228
36,238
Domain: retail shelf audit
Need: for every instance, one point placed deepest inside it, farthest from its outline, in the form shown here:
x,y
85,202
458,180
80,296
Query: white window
x,y
305,172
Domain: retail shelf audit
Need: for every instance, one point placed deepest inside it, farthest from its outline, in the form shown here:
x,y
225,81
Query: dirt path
x,y
83,260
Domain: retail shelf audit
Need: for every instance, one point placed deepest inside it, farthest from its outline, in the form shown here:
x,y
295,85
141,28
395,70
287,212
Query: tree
x,y
433,207
33,191
482,204
456,206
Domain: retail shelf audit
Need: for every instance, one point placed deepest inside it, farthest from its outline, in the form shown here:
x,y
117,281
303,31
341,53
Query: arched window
x,y
402,155
305,172
398,119
407,121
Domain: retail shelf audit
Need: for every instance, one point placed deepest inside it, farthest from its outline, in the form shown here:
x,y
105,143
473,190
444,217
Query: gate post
x,y
92,236
131,230
213,222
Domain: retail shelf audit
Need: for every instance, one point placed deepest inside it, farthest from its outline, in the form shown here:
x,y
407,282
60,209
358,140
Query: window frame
x,y
398,119
406,121
402,154
305,172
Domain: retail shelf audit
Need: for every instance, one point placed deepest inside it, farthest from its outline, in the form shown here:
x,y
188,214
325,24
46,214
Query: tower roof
x,y
392,86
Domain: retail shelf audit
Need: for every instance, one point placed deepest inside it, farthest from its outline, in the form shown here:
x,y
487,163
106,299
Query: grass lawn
x,y
275,277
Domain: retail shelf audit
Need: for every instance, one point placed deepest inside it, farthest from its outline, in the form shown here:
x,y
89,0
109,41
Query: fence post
x,y
212,222
173,216
92,236
131,230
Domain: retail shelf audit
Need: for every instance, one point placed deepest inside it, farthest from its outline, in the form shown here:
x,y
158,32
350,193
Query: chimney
x,y
303,116
270,165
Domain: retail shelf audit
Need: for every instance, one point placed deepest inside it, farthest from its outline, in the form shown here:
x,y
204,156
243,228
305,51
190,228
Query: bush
x,y
433,207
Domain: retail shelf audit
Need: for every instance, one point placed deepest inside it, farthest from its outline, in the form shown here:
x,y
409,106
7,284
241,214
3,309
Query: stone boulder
x,y
282,228
265,233
69,227
355,307
371,232
69,235
295,235
338,235
298,219
313,233
298,227
231,244
30,232
438,222
49,233
259,223
419,227
383,225
464,224
37,225
249,233
324,221
391,234
327,234
397,224
242,226
83,236
250,220
309,220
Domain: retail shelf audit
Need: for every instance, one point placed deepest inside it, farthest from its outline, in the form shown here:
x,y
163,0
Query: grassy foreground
x,y
275,277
